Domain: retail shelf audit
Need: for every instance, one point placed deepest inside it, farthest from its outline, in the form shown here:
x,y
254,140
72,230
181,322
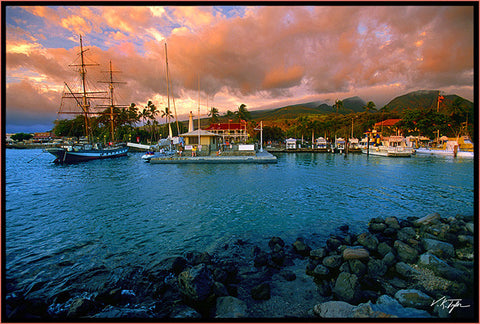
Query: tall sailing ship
x,y
82,98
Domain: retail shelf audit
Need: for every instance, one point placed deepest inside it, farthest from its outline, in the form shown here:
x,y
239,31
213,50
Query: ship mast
x,y
112,103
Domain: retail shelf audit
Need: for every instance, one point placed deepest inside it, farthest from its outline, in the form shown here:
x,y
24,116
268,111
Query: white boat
x,y
450,148
339,145
393,146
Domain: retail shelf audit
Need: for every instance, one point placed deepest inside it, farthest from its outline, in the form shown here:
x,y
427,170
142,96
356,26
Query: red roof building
x,y
387,123
231,132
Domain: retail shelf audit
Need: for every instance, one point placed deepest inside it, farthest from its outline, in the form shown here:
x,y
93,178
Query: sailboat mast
x,y
168,85
85,103
198,110
112,130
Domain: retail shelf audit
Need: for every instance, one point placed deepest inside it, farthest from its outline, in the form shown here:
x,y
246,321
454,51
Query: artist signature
x,y
449,304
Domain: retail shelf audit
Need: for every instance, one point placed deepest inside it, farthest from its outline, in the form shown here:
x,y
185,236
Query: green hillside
x,y
427,99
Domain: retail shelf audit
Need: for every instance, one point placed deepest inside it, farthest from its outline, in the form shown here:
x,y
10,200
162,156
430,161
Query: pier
x,y
258,158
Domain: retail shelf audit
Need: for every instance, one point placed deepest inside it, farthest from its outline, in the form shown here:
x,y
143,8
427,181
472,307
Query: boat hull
x,y
73,156
426,151
389,151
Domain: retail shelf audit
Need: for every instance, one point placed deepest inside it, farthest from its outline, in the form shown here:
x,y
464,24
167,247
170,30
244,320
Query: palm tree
x,y
338,105
133,114
167,114
213,113
369,106
243,113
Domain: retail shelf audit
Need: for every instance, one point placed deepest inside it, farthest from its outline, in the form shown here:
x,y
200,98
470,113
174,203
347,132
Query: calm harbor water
x,y
61,220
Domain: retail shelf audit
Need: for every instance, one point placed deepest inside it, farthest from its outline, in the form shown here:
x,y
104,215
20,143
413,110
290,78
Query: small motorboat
x,y
147,156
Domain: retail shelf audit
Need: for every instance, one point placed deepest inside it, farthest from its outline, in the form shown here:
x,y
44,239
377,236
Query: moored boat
x,y
82,152
393,146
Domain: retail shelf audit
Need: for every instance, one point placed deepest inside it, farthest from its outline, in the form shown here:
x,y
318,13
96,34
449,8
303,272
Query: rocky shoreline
x,y
411,268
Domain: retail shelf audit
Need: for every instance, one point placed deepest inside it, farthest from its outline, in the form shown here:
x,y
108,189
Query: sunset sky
x,y
261,56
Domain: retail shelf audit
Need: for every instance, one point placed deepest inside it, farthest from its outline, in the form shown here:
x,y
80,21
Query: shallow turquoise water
x,y
126,212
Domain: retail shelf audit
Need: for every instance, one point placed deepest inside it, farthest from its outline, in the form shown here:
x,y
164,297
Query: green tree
x,y
213,113
21,137
243,113
369,106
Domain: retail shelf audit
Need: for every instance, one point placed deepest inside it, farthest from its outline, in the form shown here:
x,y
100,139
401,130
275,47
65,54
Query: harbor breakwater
x,y
409,268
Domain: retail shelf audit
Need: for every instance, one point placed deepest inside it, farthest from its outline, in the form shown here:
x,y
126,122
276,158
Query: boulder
x,y
439,248
196,283
321,272
406,234
440,267
413,298
405,270
376,268
389,305
427,220
383,248
357,267
465,253
470,227
355,253
230,307
278,257
81,307
334,309
333,261
465,239
405,252
392,222
389,259
318,253
346,287
333,243
368,240
219,289
274,241
261,292
183,311
301,247
261,259
366,310
377,227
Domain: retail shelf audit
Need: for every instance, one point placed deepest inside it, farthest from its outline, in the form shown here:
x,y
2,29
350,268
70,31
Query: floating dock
x,y
258,158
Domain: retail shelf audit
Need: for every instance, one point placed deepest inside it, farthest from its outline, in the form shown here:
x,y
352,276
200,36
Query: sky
x,y
225,56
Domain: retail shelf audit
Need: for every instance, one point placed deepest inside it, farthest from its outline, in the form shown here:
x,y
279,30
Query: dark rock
x,y
357,268
220,275
219,289
230,307
440,267
196,283
333,261
439,248
261,292
301,247
232,290
405,252
389,259
465,240
427,220
346,287
413,298
383,248
81,307
334,309
278,257
318,253
406,233
321,272
333,243
392,222
344,228
405,270
376,268
368,240
196,258
353,253
183,311
178,265
390,232
345,267
276,241
465,253
110,296
261,259
288,275
377,227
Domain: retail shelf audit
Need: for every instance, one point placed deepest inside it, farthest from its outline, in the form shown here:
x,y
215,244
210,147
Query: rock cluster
x,y
397,269
407,268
